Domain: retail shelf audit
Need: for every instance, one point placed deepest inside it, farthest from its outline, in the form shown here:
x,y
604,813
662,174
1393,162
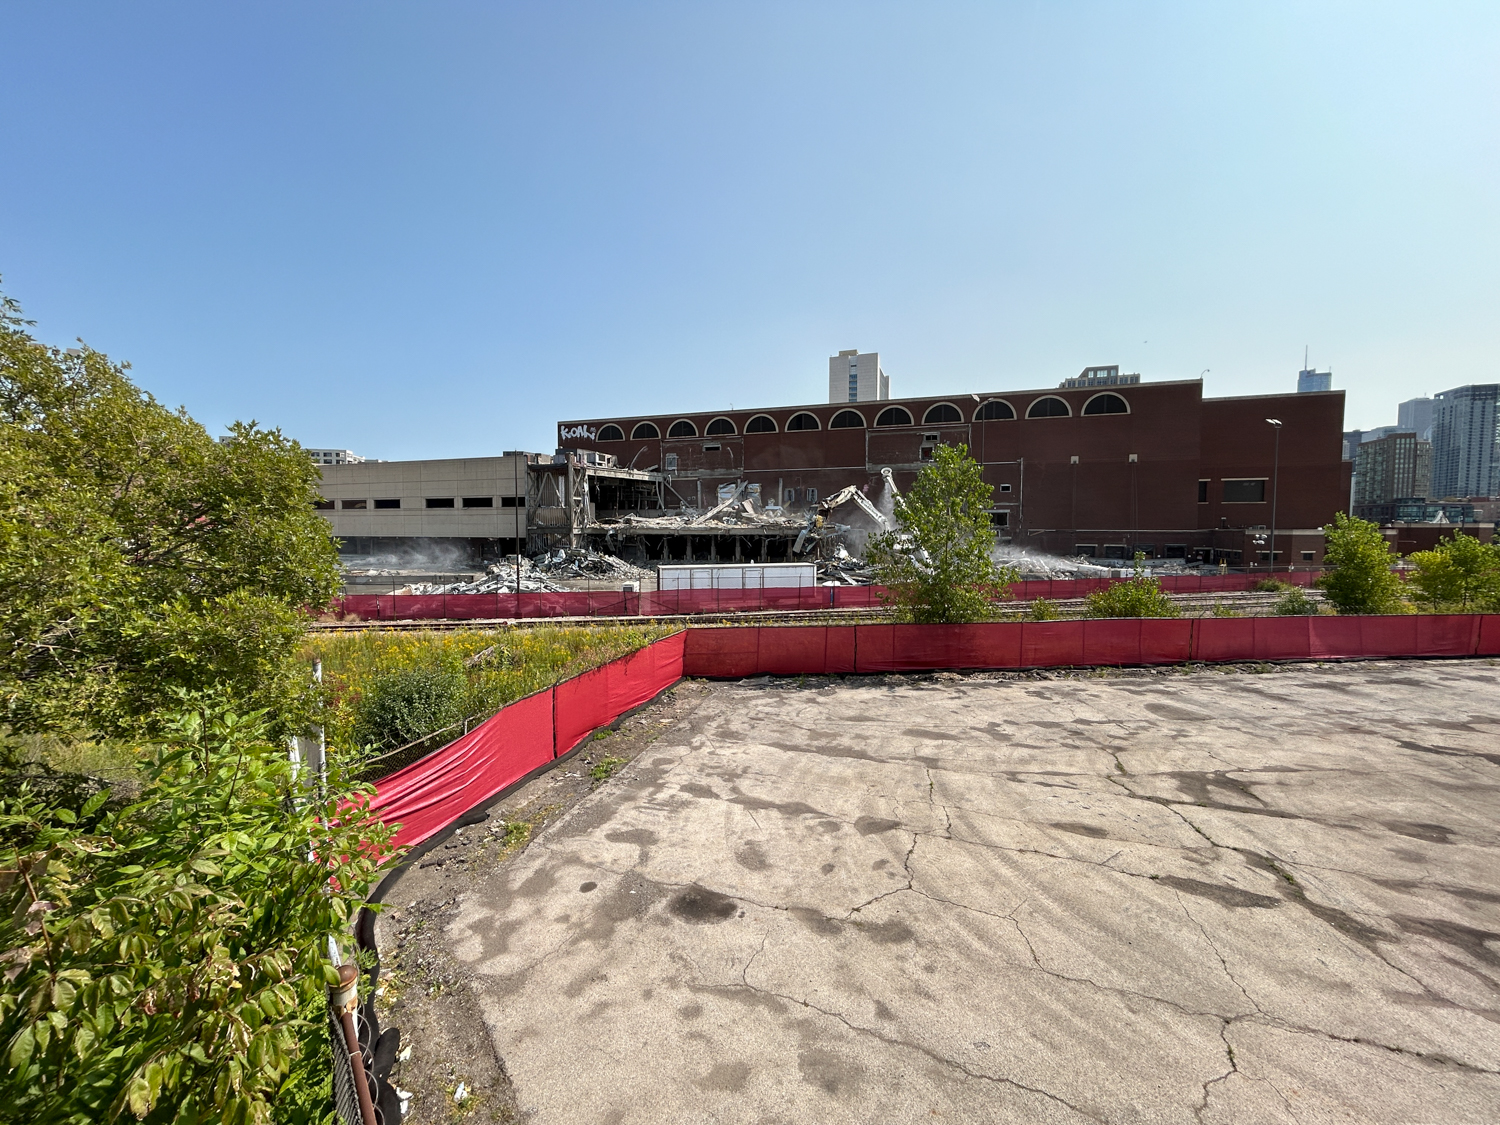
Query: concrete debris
x,y
576,562
498,578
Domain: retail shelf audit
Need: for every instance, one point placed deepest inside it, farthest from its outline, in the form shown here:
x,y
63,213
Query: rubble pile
x,y
577,562
498,578
843,569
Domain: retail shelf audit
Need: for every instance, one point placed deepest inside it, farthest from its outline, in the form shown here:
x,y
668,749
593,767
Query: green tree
x,y
1361,580
160,956
1138,596
1296,602
938,564
138,554
1460,572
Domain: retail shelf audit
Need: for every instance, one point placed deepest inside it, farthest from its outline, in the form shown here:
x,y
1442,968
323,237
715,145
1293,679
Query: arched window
x,y
644,430
942,412
761,424
996,410
682,428
1049,407
893,416
803,421
1106,404
611,433
719,427
847,420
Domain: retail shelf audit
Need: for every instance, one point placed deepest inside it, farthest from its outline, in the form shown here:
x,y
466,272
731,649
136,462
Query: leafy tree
x,y
1460,572
1043,609
138,554
1138,596
938,565
1361,580
159,956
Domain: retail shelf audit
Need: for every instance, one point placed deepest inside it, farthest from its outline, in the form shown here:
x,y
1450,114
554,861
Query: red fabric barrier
x,y
1489,635
1050,644
897,648
725,653
596,699
789,652
816,650
431,793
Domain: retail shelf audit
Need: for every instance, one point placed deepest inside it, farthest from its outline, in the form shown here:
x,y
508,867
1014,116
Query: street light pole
x,y
1275,480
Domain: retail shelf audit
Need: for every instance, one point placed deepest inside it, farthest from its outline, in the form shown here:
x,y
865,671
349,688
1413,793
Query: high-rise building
x,y
1466,441
1310,380
1394,467
856,377
1415,416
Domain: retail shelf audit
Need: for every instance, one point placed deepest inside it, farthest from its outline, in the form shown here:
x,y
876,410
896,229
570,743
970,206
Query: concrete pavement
x,y
1137,897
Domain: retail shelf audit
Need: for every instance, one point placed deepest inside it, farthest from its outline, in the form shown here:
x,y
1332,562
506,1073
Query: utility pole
x,y
519,529
1275,424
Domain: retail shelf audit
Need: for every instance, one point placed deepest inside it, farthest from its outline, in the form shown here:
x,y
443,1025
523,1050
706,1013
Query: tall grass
x,y
499,667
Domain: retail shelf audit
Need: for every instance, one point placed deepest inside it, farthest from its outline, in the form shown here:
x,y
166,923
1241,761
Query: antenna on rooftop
x,y
1304,357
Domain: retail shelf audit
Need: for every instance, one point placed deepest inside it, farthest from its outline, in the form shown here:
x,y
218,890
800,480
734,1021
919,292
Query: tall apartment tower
x,y
1466,441
856,377
1415,416
1394,467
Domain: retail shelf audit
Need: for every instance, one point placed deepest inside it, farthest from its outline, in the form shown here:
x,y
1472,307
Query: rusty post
x,y
345,1001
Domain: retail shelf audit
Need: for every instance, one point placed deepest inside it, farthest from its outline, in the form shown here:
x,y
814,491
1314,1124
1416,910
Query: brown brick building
x,y
1155,467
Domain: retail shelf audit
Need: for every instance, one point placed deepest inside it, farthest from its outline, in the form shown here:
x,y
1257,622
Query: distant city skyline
x,y
434,231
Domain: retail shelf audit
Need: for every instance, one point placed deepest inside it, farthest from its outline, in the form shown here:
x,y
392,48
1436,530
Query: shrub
x,y
1295,603
401,706
164,958
1272,586
1222,610
1044,610
1460,572
1361,580
1140,596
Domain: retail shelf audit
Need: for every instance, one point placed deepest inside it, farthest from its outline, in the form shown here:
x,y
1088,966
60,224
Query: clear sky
x,y
433,229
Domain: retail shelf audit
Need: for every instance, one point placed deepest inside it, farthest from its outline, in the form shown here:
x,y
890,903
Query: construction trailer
x,y
773,576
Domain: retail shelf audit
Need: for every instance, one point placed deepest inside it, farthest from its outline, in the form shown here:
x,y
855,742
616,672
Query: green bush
x,y
1361,580
1295,603
401,706
164,959
1044,610
1460,573
1273,586
1140,596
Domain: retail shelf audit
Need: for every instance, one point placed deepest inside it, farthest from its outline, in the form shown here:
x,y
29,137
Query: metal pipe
x,y
345,1000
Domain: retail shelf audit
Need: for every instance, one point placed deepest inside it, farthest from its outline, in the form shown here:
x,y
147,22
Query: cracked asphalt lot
x,y
1138,897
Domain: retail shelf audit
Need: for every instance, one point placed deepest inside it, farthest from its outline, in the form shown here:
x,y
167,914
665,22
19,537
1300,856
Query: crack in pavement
x,y
927,1052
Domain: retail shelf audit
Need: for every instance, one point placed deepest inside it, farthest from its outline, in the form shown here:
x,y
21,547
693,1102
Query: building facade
x,y
1312,382
855,376
1466,441
1154,467
1390,468
335,457
1414,416
408,507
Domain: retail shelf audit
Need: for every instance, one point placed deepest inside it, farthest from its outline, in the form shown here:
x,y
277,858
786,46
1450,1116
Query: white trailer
x,y
737,576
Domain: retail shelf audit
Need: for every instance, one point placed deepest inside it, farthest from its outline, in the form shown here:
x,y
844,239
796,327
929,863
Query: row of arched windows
x,y
996,409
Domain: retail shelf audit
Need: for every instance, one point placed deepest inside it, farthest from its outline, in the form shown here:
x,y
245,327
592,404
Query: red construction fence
x,y
431,793
605,603
739,651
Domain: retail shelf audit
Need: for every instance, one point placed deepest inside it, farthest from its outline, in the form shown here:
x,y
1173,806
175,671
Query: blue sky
x,y
434,229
